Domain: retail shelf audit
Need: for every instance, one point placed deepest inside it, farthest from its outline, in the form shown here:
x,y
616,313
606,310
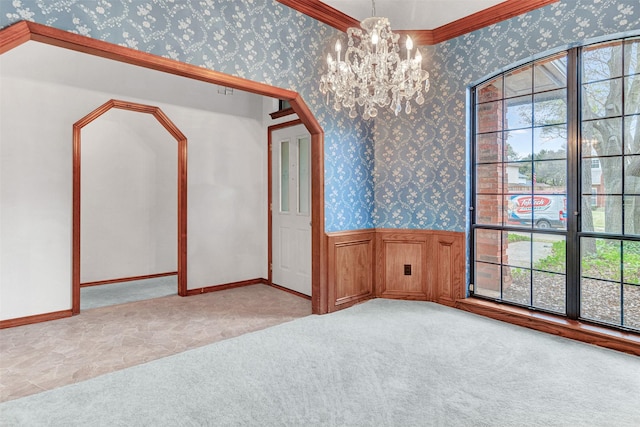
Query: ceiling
x,y
413,14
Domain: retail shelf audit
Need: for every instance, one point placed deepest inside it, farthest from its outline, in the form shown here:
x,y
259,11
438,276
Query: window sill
x,y
627,342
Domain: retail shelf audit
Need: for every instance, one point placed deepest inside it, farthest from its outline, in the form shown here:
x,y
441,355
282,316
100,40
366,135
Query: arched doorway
x,y
182,189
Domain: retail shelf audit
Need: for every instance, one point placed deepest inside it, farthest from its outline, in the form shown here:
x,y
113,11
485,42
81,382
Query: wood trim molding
x,y
181,184
291,291
627,342
28,320
128,279
323,13
492,15
222,287
281,113
24,31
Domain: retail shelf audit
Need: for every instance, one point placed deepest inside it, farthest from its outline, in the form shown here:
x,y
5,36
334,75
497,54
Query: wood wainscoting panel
x,y
436,259
402,265
350,267
448,255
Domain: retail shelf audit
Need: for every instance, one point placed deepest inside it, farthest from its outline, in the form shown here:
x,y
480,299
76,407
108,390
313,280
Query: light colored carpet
x,y
134,290
381,363
47,355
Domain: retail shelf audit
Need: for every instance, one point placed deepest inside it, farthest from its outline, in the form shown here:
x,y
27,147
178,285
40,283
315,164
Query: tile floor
x,y
43,356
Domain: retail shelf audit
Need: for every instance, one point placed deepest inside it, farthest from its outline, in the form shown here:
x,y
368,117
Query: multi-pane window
x,y
610,129
528,173
521,183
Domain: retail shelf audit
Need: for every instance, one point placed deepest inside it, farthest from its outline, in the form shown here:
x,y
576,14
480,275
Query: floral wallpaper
x,y
420,160
261,40
394,172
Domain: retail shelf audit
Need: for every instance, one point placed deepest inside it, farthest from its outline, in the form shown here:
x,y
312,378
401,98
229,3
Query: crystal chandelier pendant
x,y
372,73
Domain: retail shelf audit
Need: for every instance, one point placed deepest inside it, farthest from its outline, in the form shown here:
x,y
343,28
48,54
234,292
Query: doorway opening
x,y
180,255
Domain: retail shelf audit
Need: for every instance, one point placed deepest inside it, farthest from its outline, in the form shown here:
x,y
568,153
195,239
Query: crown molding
x,y
492,15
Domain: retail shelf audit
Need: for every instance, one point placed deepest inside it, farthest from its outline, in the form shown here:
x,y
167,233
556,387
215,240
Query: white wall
x,y
43,91
129,197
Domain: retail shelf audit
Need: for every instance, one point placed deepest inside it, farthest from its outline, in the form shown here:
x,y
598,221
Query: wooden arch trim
x,y
182,189
23,31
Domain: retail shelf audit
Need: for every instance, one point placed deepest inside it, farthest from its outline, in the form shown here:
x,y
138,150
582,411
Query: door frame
x,y
270,130
24,31
77,179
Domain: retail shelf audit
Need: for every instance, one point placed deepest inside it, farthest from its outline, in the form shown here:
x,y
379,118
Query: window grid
x,y
492,190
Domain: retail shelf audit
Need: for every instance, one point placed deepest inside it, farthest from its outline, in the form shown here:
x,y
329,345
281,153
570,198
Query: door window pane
x,y
284,176
304,186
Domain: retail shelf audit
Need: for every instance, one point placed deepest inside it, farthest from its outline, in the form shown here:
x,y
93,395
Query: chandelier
x,y
372,73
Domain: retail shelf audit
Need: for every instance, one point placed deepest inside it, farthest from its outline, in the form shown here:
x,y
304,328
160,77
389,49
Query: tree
x,y
603,67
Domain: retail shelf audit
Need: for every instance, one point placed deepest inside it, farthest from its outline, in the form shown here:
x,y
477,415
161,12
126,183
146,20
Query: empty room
x,y
323,213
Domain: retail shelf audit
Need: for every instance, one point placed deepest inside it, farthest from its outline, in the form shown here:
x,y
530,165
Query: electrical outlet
x,y
407,269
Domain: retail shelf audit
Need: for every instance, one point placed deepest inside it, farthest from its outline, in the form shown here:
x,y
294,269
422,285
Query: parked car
x,y
544,210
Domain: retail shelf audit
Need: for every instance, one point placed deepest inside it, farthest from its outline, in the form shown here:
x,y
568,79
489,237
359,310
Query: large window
x,y
556,196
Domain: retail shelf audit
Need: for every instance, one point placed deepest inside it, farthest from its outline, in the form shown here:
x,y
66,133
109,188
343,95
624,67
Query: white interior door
x,y
291,208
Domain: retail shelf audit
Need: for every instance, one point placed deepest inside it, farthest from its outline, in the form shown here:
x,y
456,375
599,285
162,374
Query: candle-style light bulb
x,y
374,37
418,57
409,45
338,49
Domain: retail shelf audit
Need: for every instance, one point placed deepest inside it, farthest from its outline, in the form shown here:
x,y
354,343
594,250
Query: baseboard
x,y
291,291
222,287
37,318
627,342
128,279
